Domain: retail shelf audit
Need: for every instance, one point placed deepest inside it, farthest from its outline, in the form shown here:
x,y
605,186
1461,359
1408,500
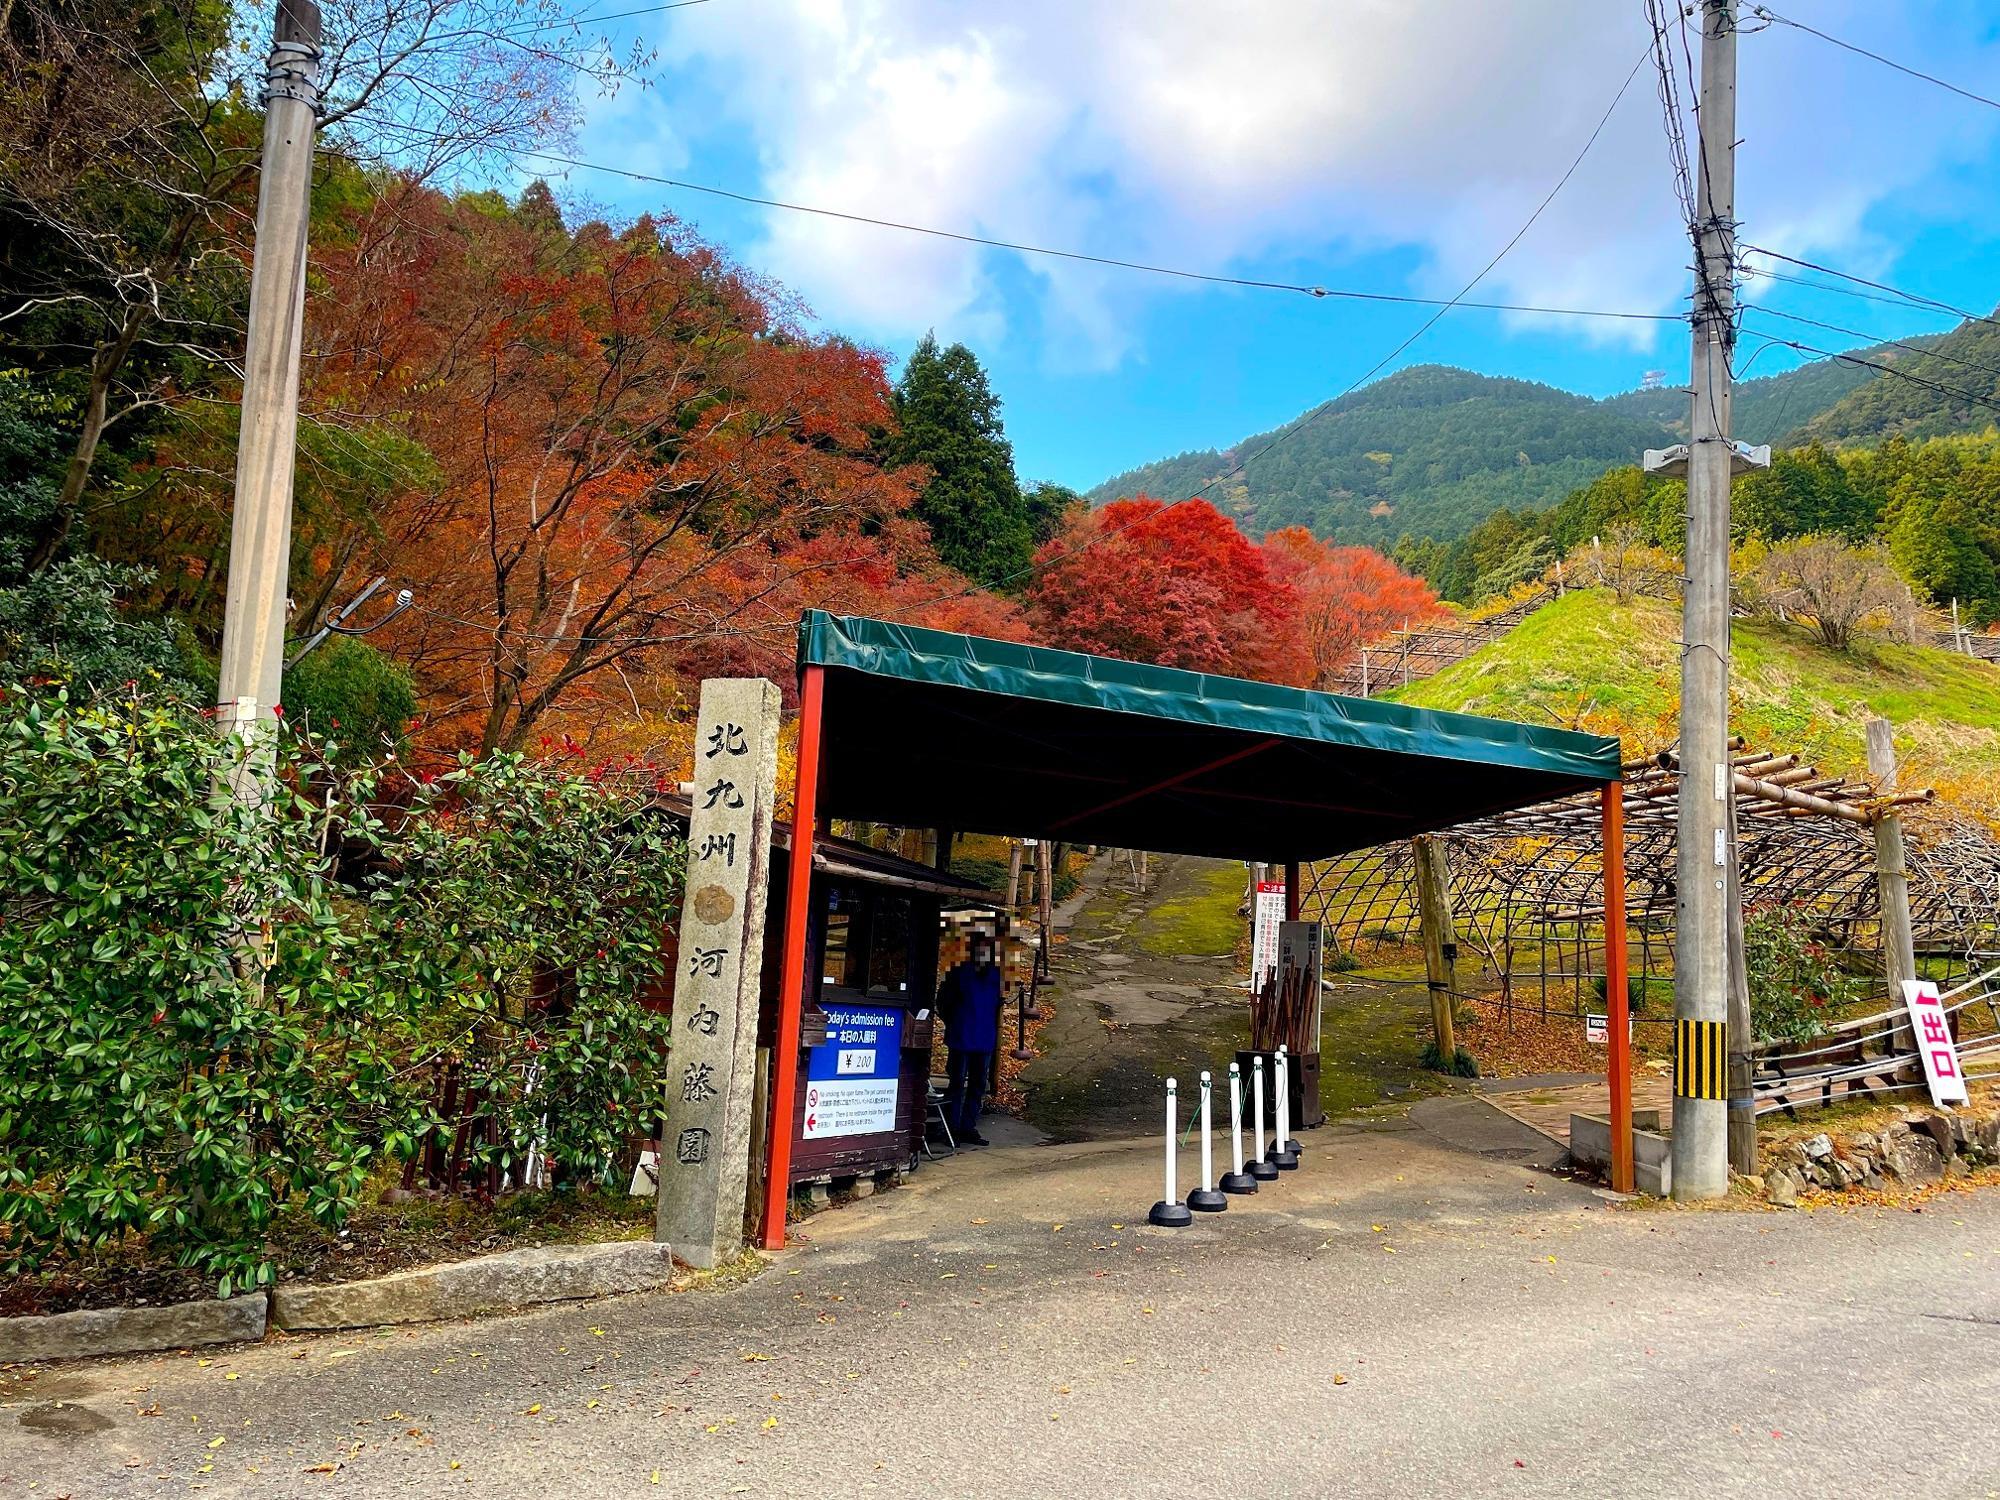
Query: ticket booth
x,y
867,1020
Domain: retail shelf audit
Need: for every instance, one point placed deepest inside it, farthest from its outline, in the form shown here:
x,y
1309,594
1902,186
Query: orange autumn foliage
x,y
1180,585
644,467
1347,597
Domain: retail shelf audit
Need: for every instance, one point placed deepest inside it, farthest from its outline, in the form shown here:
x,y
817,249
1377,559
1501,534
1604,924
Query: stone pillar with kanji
x,y
704,1162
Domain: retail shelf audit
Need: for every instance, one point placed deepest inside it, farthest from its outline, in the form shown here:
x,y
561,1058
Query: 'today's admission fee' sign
x,y
852,1077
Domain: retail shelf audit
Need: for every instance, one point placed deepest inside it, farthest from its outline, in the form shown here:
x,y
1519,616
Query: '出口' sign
x,y
704,1159
1935,1046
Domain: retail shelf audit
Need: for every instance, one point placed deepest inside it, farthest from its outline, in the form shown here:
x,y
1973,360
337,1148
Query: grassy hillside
x,y
1589,662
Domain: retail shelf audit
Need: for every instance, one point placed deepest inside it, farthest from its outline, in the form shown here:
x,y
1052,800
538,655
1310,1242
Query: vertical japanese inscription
x,y
704,1170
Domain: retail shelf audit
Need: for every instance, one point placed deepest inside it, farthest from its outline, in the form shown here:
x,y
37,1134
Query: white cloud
x,y
1281,133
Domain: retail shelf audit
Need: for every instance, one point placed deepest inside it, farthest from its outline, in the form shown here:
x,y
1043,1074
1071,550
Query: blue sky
x,y
1382,145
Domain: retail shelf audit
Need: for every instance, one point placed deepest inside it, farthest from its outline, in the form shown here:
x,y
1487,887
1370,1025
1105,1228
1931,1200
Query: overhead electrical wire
x,y
1023,248
1765,273
1874,340
1771,17
1951,392
1881,286
577,22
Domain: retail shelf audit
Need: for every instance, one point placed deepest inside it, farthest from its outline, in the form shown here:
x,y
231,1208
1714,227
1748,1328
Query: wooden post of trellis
x,y
1440,941
1892,880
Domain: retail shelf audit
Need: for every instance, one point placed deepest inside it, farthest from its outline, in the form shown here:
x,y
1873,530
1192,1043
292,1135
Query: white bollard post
x,y
1206,1199
1286,1139
1283,1158
1238,1181
1170,1212
1261,1169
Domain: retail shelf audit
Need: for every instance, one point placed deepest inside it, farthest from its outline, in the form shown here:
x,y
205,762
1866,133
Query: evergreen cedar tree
x,y
1181,586
948,421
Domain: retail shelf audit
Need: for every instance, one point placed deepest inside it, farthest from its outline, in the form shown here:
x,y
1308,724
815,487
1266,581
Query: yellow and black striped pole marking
x,y
1701,1059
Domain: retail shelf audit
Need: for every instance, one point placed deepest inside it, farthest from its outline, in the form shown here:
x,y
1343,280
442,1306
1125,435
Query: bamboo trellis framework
x,y
1526,886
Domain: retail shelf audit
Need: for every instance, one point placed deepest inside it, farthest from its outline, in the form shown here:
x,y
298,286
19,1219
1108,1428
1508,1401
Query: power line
x,y
1299,424
1951,392
1023,248
1773,18
1880,286
580,21
1765,273
1855,333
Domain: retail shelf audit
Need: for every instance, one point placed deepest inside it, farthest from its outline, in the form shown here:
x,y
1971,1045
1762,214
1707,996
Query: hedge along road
x,y
1396,1318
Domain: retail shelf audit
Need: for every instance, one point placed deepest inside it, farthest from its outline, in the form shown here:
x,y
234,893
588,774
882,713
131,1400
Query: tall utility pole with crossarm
x,y
260,533
1704,1038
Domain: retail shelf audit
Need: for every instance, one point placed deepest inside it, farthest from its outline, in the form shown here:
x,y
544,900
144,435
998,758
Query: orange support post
x,y
1293,895
1617,1002
792,977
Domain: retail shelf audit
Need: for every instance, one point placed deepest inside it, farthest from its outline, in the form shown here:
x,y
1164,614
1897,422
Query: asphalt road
x,y
1403,1317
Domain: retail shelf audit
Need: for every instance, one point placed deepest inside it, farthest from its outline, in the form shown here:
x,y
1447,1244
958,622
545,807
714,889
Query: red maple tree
x,y
1174,584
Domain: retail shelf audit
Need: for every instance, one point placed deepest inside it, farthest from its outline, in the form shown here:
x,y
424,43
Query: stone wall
x,y
1916,1150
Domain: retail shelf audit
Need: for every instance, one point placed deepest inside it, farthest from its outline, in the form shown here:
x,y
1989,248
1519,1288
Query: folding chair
x,y
934,1115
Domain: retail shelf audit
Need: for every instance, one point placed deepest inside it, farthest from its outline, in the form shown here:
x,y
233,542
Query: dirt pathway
x,y
1149,985
1146,986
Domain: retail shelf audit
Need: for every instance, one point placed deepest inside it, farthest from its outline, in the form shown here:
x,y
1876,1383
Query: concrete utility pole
x,y
1701,938
260,533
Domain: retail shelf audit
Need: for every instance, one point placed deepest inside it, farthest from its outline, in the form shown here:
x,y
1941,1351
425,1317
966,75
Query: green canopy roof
x,y
924,728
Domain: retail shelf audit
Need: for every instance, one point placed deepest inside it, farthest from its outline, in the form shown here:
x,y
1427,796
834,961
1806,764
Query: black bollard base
x,y
1207,1201
1284,1161
1170,1215
1237,1182
1291,1148
1263,1171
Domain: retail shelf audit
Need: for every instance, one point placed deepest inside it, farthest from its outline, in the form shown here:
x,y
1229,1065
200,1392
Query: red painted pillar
x,y
792,976
1617,1003
1293,895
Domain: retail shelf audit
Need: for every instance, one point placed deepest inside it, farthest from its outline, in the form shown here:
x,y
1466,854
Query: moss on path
x,y
1150,986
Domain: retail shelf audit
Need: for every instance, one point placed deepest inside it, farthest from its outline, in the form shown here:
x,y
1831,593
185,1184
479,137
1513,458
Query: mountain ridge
x,y
1431,450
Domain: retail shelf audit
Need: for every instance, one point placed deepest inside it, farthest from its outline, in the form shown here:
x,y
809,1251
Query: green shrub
x,y
352,697
522,916
1460,1065
1635,993
149,1082
161,1074
988,874
1797,987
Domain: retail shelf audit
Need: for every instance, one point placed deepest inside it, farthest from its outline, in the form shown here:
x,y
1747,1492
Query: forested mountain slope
x,y
1432,451
1427,451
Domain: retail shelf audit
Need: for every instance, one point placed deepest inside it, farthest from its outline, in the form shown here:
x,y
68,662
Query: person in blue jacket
x,y
969,1002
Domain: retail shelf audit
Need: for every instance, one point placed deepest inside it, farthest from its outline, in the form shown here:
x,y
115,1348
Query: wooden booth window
x,y
865,953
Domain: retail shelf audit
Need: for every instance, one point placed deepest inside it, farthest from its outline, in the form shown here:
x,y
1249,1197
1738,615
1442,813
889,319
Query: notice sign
x,y
1934,1043
853,1076
1597,1029
1269,913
